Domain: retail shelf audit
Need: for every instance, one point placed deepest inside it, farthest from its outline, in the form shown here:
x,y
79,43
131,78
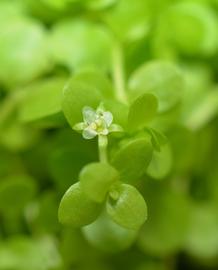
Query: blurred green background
x,y
42,44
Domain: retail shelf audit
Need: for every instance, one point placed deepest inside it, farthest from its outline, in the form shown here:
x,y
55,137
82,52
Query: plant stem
x,y
102,148
118,72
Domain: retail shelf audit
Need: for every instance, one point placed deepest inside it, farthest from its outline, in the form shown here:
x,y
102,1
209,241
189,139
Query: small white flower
x,y
97,122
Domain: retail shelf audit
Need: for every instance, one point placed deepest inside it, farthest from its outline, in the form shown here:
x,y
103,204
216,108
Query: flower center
x,y
98,125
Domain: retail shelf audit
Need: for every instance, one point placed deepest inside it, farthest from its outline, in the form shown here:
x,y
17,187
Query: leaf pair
x,y
84,201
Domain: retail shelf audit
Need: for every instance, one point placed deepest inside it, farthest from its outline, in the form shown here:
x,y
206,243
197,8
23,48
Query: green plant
x,y
108,134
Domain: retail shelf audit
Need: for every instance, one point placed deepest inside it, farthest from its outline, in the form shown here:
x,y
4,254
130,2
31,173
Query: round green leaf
x,y
96,179
163,79
193,28
142,110
76,209
41,99
79,43
126,206
132,159
23,54
76,96
108,236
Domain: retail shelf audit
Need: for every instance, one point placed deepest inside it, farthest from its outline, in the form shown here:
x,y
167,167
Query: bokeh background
x,y
42,44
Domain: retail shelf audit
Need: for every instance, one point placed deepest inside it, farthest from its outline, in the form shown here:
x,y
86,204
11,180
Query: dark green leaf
x,y
142,111
132,159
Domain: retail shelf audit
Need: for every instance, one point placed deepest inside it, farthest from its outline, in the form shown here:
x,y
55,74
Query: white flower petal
x,y
80,126
89,115
89,133
108,118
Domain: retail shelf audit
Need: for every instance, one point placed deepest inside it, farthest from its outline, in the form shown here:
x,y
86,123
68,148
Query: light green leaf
x,y
108,236
96,179
161,78
76,209
41,99
193,27
132,159
204,111
78,43
142,111
126,206
76,96
22,252
23,54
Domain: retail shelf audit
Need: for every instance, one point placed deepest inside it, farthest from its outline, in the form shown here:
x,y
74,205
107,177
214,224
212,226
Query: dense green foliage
x,y
108,134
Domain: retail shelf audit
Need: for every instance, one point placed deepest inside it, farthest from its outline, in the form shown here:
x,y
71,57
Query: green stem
x,y
102,148
118,72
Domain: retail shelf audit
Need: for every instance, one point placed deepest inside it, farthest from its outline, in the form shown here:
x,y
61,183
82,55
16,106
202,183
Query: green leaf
x,y
132,159
78,43
142,111
97,79
15,193
76,209
108,236
126,206
76,96
23,54
161,78
96,179
41,99
22,252
193,28
119,111
161,163
204,111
